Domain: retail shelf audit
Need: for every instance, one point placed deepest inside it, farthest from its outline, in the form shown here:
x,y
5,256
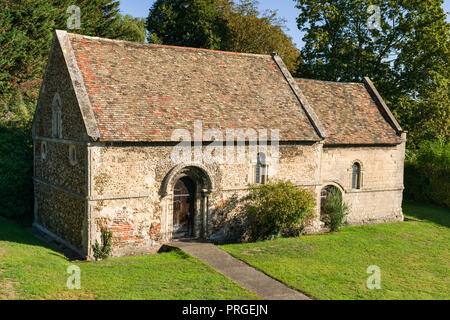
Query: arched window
x,y
72,155
56,117
44,150
356,176
261,169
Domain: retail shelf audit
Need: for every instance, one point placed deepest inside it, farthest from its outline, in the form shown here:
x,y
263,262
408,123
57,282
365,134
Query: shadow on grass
x,y
11,231
427,211
16,170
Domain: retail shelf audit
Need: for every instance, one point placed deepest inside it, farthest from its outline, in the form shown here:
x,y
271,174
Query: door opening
x,y
183,208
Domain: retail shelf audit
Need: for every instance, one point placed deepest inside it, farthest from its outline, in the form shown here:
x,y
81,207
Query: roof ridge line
x,y
309,111
328,81
154,45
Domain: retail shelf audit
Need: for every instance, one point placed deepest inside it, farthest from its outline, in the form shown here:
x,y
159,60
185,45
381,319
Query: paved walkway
x,y
248,277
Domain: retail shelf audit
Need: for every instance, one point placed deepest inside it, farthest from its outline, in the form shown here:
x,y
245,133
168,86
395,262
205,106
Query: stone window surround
x,y
261,169
361,173
72,155
56,116
44,150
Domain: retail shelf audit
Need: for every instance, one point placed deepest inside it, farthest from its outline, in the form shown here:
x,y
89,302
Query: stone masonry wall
x,y
57,80
62,214
380,196
61,191
60,187
126,196
56,167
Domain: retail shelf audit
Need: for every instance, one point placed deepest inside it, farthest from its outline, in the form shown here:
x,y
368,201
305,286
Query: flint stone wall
x,y
62,214
121,188
126,195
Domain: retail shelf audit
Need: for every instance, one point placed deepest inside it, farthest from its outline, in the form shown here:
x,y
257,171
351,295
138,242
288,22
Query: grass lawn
x,y
31,270
413,257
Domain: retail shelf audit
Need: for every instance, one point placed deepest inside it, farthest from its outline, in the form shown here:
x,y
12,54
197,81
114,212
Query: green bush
x,y
434,155
16,170
276,207
336,210
427,173
104,250
415,183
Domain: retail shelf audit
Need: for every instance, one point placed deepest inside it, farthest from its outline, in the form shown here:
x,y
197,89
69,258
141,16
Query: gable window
x,y
56,117
44,150
261,169
356,176
72,155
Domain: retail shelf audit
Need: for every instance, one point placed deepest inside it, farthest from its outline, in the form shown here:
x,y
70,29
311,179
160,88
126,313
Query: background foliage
x,y
427,173
221,25
407,57
16,169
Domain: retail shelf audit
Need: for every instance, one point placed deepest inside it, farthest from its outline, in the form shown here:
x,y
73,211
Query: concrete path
x,y
246,276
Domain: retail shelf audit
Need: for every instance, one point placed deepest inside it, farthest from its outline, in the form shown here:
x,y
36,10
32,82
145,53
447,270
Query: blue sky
x,y
286,9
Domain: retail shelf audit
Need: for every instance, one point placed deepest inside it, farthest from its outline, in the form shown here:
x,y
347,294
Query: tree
x,y
98,17
248,30
24,38
193,23
130,29
407,56
220,24
26,28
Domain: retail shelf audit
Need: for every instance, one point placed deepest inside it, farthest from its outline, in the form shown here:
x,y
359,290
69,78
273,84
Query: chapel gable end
x,y
57,113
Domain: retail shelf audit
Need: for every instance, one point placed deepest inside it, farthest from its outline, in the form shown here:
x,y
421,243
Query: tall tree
x,y
249,30
406,54
26,28
25,37
130,29
220,24
191,23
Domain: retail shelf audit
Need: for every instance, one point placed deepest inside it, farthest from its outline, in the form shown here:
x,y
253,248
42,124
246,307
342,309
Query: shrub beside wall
x,y
277,207
336,210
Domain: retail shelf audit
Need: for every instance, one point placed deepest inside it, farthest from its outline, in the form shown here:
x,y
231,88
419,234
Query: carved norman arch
x,y
204,186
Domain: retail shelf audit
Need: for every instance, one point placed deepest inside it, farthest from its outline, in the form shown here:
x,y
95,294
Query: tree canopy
x,y
192,23
26,28
248,30
406,56
221,25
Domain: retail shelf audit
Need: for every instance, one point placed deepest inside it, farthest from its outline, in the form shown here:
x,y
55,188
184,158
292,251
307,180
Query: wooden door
x,y
183,208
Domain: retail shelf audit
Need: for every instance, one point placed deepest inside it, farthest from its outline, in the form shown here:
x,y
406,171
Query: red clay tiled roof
x,y
142,92
348,112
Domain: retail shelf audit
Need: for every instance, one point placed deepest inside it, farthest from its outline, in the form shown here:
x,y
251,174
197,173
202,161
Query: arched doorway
x,y
184,208
185,192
